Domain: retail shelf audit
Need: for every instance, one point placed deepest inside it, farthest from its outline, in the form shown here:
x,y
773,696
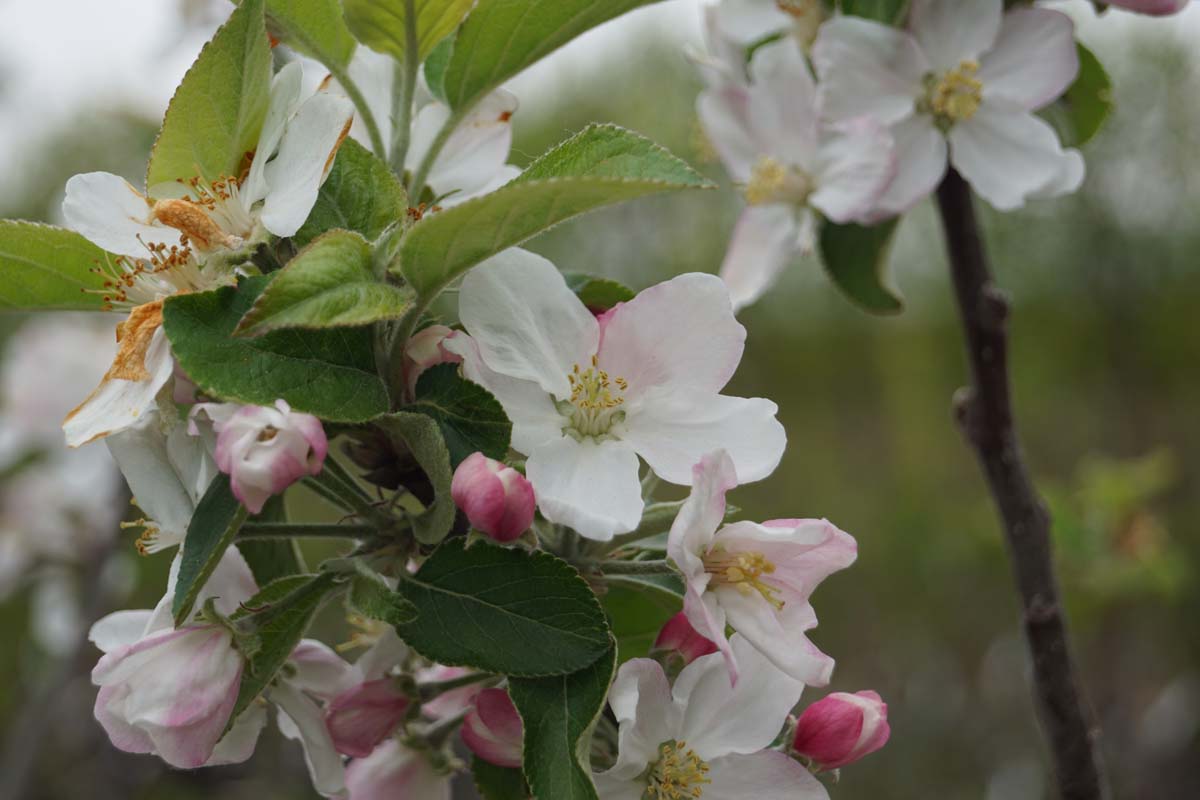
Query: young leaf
x,y
856,259
424,440
637,607
889,12
313,27
48,268
329,284
271,593
503,610
603,164
1088,102
470,418
327,373
598,294
503,37
383,25
216,521
498,783
217,112
371,597
558,714
361,194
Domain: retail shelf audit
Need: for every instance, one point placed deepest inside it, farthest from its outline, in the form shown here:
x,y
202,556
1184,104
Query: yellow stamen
x,y
680,774
596,399
773,182
957,94
744,571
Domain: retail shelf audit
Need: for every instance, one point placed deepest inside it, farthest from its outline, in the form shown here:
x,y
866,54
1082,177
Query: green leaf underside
x,y
382,24
423,438
271,594
44,267
502,37
469,417
435,67
603,164
498,783
371,597
327,373
889,12
637,609
557,713
270,559
503,610
278,629
329,284
598,294
217,112
1088,103
216,521
856,258
360,194
313,27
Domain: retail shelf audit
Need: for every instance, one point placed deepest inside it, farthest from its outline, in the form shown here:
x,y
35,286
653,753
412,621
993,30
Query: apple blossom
x,y
424,350
679,638
756,578
1157,8
361,717
734,27
704,737
841,728
449,704
587,396
962,83
395,771
493,729
496,498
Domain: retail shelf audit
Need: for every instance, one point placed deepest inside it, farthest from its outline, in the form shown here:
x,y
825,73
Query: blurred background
x,y
1106,356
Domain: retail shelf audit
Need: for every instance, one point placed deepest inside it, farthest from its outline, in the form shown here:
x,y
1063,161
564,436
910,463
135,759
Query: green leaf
x,y
313,27
603,164
1088,103
382,25
48,268
498,783
216,521
329,284
503,37
327,373
558,714
270,559
598,294
361,194
889,12
470,418
217,112
374,599
271,594
277,629
856,258
637,607
503,610
423,437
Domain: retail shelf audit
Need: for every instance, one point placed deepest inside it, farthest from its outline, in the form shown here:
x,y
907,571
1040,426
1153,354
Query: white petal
x,y
1034,60
680,335
953,31
477,149
305,154
320,671
231,583
500,177
300,719
702,513
867,69
526,321
610,788
673,430
749,21
724,111
395,772
1008,155
778,635
647,716
285,94
764,241
783,103
769,775
113,215
593,488
857,162
118,629
238,744
920,165
425,126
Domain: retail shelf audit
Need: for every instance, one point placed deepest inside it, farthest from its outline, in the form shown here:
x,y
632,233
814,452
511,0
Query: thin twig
x,y
984,410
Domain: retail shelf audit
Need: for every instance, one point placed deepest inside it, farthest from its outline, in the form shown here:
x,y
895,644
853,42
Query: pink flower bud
x,y
264,450
1157,8
497,499
361,717
493,729
678,636
424,350
842,728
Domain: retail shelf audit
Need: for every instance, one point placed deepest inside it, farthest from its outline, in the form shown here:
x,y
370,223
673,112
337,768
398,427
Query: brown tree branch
x,y
984,411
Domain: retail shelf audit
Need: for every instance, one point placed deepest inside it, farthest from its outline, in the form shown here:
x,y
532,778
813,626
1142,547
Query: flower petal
x,y
592,487
321,672
119,629
764,241
856,165
953,31
702,513
647,716
768,775
867,69
300,719
1034,60
783,103
724,111
238,744
749,21
474,153
778,635
113,215
920,164
394,771
285,94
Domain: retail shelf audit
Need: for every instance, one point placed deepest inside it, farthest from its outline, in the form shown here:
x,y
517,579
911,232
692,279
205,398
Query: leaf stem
x,y
402,106
351,498
342,76
287,530
417,185
658,567
430,690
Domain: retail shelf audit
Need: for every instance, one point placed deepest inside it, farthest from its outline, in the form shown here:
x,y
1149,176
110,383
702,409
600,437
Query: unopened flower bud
x,y
497,499
361,717
1157,8
842,728
493,729
679,637
424,350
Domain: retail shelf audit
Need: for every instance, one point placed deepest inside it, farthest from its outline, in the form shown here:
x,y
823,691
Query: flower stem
x,y
342,76
659,567
406,73
347,495
287,530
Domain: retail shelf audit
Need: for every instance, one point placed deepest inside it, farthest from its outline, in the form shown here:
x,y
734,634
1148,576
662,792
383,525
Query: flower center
x,y
744,572
773,182
680,774
955,95
595,404
132,282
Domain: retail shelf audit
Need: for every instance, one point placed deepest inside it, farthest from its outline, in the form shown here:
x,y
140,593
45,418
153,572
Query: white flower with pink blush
x,y
394,771
791,166
588,395
497,499
754,577
704,737
961,85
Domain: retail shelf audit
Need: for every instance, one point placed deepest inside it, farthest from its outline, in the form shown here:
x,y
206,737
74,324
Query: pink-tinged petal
x,y
497,500
592,487
451,703
779,635
679,638
424,350
724,111
394,771
783,103
318,670
702,513
300,720
527,323
767,775
1157,8
708,618
953,31
238,744
920,155
1034,60
113,215
765,240
363,716
867,69
119,629
842,728
679,335
804,552
857,162
1009,156
109,712
493,729
388,652
647,715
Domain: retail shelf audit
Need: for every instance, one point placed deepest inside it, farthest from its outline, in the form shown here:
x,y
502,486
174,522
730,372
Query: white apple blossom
x,y
754,577
587,396
395,771
960,85
705,737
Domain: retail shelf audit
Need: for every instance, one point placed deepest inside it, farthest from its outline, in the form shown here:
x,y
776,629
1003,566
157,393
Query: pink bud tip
x,y
842,728
493,729
424,350
361,717
497,499
678,636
